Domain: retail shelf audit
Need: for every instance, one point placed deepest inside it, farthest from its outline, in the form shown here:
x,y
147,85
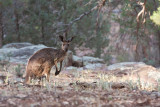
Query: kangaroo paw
x,y
56,73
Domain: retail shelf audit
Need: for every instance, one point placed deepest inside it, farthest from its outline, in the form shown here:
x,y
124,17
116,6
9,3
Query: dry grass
x,y
78,88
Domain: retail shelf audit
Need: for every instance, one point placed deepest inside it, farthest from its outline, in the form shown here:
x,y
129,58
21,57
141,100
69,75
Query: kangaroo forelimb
x,y
58,71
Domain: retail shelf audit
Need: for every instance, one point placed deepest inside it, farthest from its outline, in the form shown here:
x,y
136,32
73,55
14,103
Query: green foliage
x,y
122,57
148,61
140,32
107,58
156,17
18,70
4,3
41,21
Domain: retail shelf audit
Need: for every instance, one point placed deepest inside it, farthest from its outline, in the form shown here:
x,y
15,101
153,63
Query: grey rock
x,y
94,66
88,59
6,52
1,82
125,65
80,69
35,104
20,54
136,71
21,96
143,92
85,60
157,94
65,102
74,68
71,68
12,101
77,61
18,80
17,45
29,50
153,96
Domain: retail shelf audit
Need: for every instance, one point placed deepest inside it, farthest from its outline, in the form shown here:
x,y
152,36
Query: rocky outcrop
x,y
94,66
17,45
77,61
133,72
91,60
125,65
136,73
20,52
87,62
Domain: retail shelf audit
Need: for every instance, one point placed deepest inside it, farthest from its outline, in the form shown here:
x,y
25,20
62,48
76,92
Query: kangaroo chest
x,y
58,59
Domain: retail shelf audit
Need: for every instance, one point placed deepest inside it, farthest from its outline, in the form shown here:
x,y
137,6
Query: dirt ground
x,y
86,88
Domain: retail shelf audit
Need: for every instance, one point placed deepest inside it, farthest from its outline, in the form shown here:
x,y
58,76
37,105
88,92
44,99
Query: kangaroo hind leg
x,y
27,78
46,72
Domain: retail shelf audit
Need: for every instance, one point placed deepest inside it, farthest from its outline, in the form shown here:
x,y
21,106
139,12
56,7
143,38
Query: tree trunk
x,y
17,24
159,47
17,27
42,31
137,55
1,29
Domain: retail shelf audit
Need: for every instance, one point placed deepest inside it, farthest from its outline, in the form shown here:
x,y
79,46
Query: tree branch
x,y
99,6
141,13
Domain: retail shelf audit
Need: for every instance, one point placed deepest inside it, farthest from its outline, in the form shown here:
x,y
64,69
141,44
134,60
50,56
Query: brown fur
x,y
40,63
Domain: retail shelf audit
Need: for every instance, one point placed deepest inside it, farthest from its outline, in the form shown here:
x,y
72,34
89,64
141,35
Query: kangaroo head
x,y
65,43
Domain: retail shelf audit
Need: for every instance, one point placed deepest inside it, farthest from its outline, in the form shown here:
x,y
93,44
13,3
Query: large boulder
x,y
19,52
77,61
86,60
135,73
91,60
27,51
125,65
17,45
72,68
94,66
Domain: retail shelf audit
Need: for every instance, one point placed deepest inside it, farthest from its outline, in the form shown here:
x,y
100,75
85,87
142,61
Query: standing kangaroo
x,y
41,62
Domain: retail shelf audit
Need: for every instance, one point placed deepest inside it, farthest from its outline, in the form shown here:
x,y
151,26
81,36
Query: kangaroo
x,y
41,62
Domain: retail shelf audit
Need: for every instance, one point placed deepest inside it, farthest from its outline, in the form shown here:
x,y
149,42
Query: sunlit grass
x,y
106,80
102,79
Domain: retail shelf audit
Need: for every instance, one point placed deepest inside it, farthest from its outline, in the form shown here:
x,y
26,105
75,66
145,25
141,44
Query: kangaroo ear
x,y
71,38
61,38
